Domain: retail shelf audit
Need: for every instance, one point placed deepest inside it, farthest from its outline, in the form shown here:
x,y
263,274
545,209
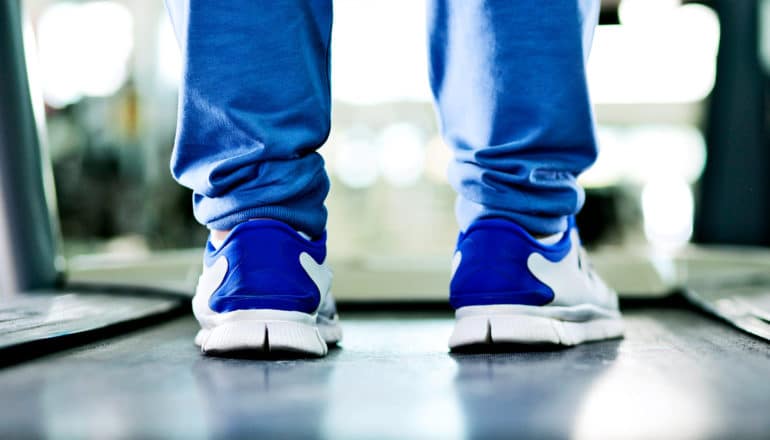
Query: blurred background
x,y
666,173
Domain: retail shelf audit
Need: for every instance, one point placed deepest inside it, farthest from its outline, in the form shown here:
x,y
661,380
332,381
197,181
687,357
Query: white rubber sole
x,y
269,330
536,325
330,329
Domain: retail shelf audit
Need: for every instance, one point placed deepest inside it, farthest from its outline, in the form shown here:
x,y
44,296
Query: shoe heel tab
x,y
513,228
500,225
261,225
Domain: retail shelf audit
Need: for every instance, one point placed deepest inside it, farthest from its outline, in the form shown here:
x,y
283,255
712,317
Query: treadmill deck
x,y
677,374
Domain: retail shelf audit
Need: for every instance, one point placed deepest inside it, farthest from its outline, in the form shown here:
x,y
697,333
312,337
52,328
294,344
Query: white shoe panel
x,y
572,280
209,281
456,260
319,273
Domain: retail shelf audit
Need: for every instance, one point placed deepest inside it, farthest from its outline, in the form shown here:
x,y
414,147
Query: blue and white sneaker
x,y
266,288
508,287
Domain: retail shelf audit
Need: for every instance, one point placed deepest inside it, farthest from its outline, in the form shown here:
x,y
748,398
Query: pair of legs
x,y
508,78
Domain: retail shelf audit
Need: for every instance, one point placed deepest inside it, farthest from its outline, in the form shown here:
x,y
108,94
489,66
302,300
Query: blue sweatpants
x,y
508,77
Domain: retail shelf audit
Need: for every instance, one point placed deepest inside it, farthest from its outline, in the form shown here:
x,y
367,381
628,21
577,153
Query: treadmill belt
x,y
43,318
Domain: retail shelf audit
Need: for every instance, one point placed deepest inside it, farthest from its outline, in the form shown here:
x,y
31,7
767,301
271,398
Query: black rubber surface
x,y
677,374
42,322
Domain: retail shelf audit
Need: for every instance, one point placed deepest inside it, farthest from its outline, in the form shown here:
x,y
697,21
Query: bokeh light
x,y
401,154
84,49
667,205
661,53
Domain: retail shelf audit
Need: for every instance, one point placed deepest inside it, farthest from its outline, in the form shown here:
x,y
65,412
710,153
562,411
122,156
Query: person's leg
x,y
254,107
510,86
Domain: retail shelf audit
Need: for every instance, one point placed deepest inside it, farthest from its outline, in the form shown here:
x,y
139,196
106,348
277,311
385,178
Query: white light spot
x,y
633,154
667,205
373,62
84,49
169,57
660,54
401,155
354,161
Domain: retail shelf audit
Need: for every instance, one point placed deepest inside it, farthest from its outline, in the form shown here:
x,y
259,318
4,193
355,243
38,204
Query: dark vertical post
x,y
27,239
734,205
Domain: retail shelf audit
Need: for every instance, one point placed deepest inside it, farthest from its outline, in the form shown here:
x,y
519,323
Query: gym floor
x,y
677,374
